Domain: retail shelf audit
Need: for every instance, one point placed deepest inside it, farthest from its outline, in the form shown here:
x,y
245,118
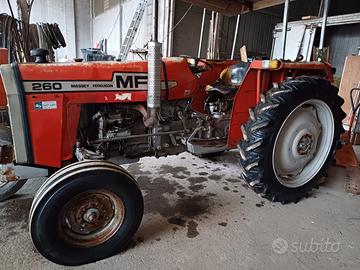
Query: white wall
x,y
63,13
82,25
119,18
83,29
107,25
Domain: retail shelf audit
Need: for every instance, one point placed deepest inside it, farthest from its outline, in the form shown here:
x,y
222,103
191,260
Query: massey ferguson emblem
x,y
120,81
131,81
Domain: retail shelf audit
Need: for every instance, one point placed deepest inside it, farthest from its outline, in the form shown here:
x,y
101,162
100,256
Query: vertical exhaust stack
x,y
154,66
154,76
322,34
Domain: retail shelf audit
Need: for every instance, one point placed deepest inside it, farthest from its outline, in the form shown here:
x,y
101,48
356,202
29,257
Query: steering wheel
x,y
205,67
197,65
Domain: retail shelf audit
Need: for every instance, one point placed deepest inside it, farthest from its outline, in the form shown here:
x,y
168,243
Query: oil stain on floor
x,y
15,212
190,204
192,229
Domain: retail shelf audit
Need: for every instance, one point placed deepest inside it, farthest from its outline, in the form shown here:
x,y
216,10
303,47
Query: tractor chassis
x,y
89,210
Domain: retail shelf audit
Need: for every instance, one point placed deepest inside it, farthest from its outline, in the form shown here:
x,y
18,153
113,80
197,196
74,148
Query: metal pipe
x,y
321,8
216,36
211,36
165,29
120,24
154,75
138,136
155,15
154,71
202,32
285,24
11,10
171,25
323,24
352,18
235,37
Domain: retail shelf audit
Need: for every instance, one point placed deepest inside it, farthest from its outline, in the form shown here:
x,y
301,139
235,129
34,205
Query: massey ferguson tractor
x,y
63,120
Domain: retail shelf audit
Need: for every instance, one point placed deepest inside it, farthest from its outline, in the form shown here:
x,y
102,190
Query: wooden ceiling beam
x,y
234,7
229,7
266,3
261,4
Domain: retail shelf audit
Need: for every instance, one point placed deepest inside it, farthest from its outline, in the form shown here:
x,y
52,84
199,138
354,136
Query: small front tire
x,y
86,212
7,189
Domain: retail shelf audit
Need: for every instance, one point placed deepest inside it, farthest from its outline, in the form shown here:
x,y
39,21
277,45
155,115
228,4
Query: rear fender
x,y
259,79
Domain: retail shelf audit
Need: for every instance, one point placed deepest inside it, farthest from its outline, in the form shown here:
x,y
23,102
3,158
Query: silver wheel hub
x,y
303,143
91,215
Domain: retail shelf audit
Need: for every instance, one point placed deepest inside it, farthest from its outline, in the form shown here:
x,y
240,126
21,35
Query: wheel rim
x,y
303,143
91,218
3,183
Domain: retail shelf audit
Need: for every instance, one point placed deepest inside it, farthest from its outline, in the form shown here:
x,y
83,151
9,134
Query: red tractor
x,y
65,120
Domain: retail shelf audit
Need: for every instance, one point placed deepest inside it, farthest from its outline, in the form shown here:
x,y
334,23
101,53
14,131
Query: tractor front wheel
x,y
7,189
85,212
290,138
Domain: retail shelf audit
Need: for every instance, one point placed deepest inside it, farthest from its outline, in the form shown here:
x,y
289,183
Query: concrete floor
x,y
199,215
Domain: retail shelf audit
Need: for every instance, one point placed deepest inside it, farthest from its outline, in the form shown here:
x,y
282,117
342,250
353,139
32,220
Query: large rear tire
x,y
85,212
290,138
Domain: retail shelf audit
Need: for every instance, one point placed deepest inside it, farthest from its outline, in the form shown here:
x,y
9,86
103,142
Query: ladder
x,y
129,39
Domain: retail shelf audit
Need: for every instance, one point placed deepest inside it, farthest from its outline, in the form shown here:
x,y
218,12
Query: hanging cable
x,y
182,18
10,7
112,29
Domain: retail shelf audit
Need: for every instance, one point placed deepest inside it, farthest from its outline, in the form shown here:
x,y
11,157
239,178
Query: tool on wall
x,y
345,156
352,184
354,127
20,37
41,35
134,26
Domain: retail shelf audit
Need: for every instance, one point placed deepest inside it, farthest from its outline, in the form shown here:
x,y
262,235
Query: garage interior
x,y
200,210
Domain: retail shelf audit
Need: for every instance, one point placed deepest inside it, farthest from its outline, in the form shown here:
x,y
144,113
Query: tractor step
x,y
206,146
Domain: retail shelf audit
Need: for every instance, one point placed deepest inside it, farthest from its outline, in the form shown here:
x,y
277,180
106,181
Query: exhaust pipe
x,y
154,65
154,75
154,79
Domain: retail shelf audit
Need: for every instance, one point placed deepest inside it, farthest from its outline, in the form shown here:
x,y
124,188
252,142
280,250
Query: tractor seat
x,y
221,88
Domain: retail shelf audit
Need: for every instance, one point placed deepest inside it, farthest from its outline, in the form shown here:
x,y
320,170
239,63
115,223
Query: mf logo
x,y
131,81
122,97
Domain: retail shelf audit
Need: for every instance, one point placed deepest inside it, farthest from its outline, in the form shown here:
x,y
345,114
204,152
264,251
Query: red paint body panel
x,y
176,68
53,132
258,80
53,142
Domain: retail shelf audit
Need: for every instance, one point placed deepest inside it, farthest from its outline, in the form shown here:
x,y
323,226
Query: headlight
x,y
238,73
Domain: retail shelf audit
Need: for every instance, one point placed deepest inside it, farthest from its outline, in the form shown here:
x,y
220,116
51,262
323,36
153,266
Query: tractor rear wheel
x,y
289,141
85,212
